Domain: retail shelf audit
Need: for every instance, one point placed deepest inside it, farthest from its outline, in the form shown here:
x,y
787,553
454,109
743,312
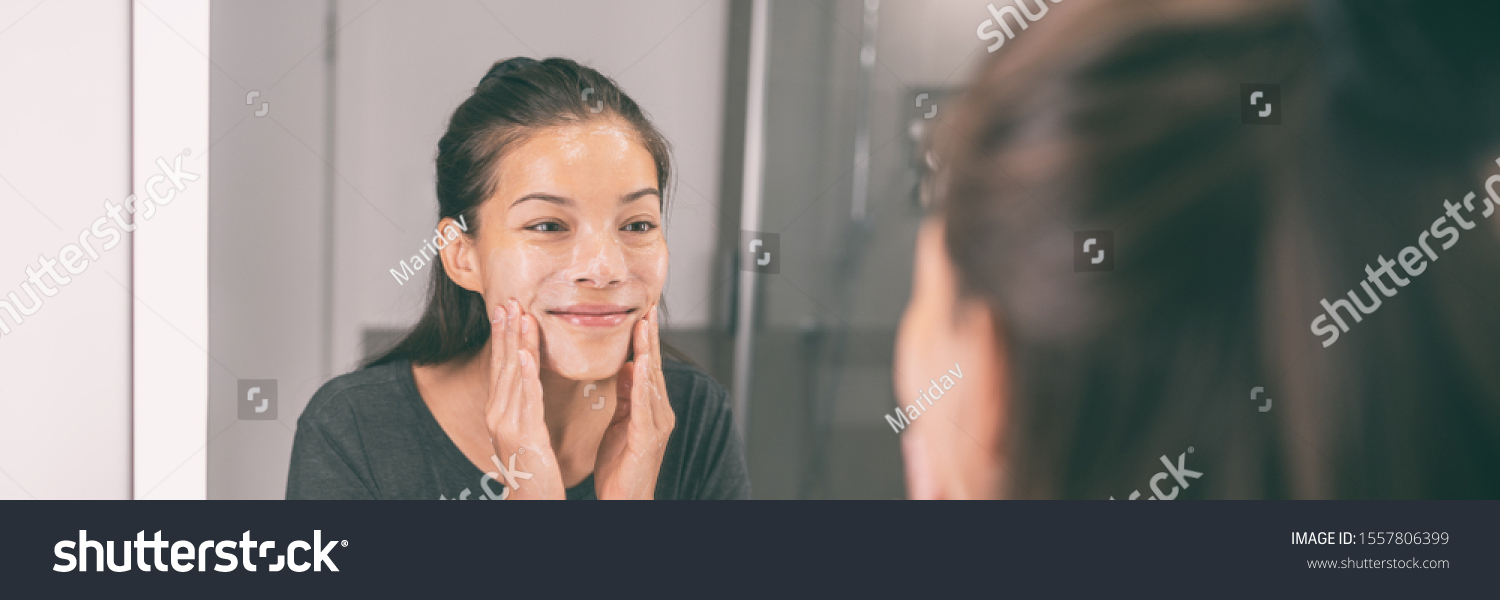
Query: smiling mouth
x,y
593,315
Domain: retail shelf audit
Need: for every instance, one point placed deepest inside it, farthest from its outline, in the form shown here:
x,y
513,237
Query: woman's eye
x,y
640,227
546,227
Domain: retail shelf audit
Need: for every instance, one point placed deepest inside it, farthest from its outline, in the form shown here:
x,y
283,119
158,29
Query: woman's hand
x,y
630,454
524,460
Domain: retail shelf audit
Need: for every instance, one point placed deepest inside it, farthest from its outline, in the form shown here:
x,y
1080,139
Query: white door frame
x,y
169,261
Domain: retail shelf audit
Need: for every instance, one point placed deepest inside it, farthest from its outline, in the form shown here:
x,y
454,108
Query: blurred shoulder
x,y
690,387
367,390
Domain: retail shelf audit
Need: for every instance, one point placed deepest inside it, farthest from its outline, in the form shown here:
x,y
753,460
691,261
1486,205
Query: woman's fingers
x,y
624,386
528,412
631,453
662,408
642,409
531,336
527,342
654,330
529,390
653,333
499,360
518,388
665,419
505,364
515,412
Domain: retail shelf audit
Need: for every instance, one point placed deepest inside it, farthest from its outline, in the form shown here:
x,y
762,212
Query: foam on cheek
x,y
523,271
542,276
556,252
580,356
568,353
644,264
510,272
648,263
537,276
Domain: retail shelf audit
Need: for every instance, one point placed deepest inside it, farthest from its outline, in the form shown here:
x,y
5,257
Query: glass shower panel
x,y
852,87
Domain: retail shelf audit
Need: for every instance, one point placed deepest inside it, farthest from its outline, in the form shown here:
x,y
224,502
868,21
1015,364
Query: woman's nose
x,y
598,260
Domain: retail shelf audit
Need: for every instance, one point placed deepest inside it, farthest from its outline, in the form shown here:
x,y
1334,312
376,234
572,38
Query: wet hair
x,y
1123,116
515,99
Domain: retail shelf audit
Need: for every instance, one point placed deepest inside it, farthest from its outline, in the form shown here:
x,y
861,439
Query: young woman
x,y
536,370
1189,370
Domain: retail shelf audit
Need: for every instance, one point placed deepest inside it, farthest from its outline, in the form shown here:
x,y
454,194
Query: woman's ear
x,y
461,257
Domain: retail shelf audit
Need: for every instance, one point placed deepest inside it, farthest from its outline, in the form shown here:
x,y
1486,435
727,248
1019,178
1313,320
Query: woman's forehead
x,y
599,151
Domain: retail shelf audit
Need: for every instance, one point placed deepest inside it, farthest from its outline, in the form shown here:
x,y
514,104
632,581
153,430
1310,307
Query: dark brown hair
x,y
1125,116
515,99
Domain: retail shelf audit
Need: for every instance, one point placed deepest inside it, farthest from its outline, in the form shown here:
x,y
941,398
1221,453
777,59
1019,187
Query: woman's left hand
x,y
631,452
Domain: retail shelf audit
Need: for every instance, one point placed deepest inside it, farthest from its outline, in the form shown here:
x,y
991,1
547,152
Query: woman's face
x,y
574,234
947,350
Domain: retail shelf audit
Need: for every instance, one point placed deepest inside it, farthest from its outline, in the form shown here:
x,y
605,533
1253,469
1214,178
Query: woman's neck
x,y
574,424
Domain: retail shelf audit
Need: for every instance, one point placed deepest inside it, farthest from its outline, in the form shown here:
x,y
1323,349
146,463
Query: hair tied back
x,y
506,67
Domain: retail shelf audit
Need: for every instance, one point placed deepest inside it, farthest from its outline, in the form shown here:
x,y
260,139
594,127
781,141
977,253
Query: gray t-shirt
x,y
369,435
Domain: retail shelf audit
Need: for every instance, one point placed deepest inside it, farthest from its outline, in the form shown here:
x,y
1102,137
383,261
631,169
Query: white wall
x,y
64,149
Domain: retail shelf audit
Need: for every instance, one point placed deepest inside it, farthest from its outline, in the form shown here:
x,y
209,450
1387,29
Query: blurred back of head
x,y
1124,115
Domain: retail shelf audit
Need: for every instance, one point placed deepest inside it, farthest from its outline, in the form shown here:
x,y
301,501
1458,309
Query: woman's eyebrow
x,y
547,197
564,201
640,193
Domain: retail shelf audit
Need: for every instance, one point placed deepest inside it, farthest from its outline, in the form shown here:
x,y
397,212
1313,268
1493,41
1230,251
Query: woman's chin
x,y
583,358
586,366
589,373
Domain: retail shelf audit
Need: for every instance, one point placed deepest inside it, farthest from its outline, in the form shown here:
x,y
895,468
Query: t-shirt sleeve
x,y
727,476
323,469
716,468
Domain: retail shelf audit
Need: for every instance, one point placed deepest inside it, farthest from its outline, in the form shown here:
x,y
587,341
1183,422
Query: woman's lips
x,y
593,315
